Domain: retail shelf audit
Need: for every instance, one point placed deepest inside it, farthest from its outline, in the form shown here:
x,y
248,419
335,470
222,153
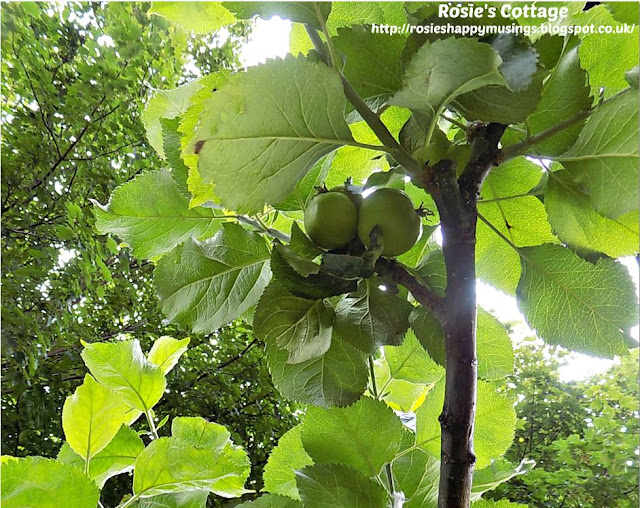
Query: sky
x,y
270,39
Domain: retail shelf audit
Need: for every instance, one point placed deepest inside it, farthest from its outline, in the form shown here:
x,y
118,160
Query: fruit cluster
x,y
333,219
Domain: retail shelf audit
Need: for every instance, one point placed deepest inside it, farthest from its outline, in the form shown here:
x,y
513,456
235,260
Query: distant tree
x,y
582,435
72,131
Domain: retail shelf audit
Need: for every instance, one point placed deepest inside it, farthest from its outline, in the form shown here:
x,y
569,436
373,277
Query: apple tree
x,y
520,155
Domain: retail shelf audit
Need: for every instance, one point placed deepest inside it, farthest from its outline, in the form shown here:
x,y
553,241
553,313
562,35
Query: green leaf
x,y
411,363
91,418
400,394
495,351
338,378
315,286
167,104
494,424
605,58
123,367
513,102
166,351
444,69
605,157
171,144
371,317
489,503
499,471
116,458
298,12
576,223
304,105
345,14
191,499
271,501
151,214
301,327
417,475
36,481
373,64
287,457
200,433
499,104
429,332
519,60
305,189
632,77
624,12
565,94
347,436
171,464
196,17
518,216
576,304
207,285
338,486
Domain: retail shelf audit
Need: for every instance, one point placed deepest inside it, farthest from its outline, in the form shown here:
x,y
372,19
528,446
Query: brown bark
x,y
456,200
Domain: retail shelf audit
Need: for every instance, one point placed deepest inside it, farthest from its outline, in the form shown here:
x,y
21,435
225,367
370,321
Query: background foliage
x,y
72,131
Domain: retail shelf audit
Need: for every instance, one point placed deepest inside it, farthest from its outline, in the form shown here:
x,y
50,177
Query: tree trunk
x,y
456,200
456,420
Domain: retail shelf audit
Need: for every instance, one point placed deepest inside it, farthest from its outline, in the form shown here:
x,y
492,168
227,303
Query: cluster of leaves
x,y
582,435
196,459
245,151
76,77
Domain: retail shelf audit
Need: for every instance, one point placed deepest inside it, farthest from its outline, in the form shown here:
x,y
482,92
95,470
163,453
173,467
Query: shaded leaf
x,y
338,486
574,220
207,285
151,214
371,317
304,103
346,436
337,378
605,157
287,457
301,327
494,424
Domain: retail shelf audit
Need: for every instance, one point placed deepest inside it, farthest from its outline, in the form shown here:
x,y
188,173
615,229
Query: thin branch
x,y
274,233
453,121
398,274
521,148
403,157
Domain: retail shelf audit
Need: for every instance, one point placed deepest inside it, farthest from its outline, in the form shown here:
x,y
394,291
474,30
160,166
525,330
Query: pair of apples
x,y
333,218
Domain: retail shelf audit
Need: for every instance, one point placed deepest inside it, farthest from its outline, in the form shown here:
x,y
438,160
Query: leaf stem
x,y
332,60
152,425
130,501
454,122
374,388
507,198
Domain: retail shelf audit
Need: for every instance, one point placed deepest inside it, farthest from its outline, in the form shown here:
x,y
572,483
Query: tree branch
x,y
398,274
521,148
403,157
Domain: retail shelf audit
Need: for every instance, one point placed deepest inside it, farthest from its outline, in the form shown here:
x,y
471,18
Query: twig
x,y
397,273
